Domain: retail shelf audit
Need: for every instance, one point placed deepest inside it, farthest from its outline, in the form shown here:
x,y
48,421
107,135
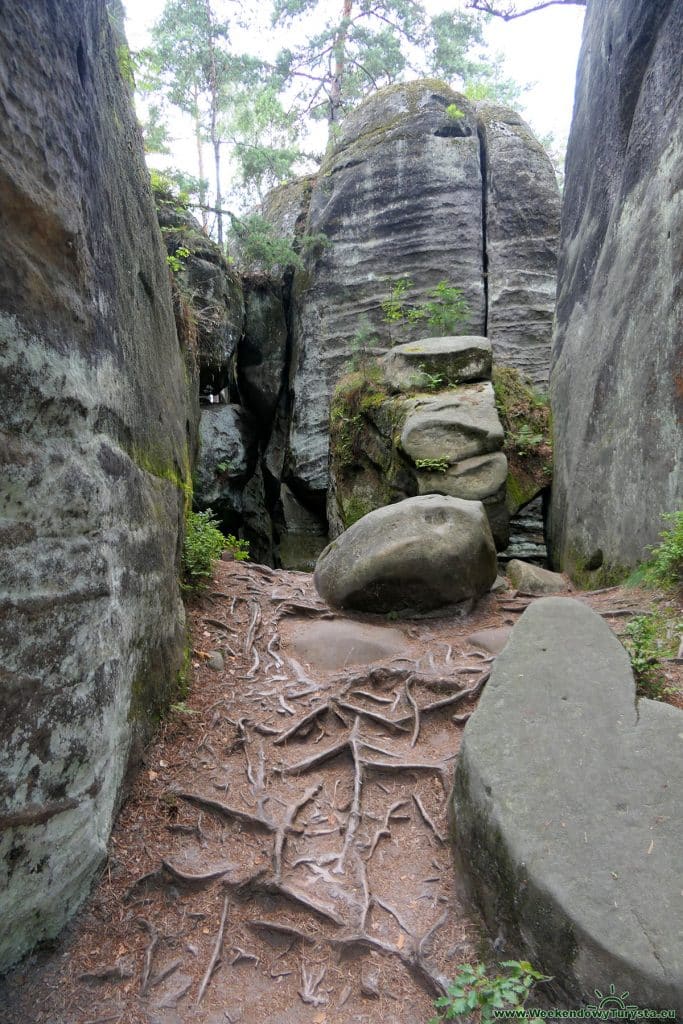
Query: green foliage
x,y
394,308
456,51
526,440
126,64
433,465
444,309
454,112
204,544
182,708
665,568
259,248
264,138
176,260
355,394
649,638
525,416
473,992
176,189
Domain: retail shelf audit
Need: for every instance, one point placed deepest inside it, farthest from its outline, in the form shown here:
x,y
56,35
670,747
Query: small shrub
x,y
665,568
454,112
648,639
176,260
473,992
204,544
444,308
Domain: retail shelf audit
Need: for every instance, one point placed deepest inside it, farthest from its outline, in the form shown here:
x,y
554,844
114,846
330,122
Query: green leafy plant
x,y
649,638
454,112
430,381
473,995
525,439
182,708
433,465
444,308
176,260
665,568
204,544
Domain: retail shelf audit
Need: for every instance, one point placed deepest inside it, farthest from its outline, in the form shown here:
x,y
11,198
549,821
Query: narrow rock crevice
x,y
483,159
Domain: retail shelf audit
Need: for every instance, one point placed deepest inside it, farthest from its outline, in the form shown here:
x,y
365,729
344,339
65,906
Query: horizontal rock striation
x,y
96,435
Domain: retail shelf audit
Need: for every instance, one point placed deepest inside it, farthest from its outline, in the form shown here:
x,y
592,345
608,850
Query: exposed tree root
x,y
216,955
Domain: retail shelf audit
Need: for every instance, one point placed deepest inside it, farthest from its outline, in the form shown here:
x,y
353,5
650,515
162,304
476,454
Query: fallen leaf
x,y
401,941
163,764
153,775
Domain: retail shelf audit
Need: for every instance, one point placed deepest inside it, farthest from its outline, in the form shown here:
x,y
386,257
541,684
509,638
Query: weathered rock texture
x,y
95,437
420,553
522,206
211,289
407,192
617,388
390,439
566,816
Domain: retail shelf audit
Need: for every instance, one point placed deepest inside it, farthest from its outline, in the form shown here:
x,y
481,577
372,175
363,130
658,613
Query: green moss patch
x,y
525,416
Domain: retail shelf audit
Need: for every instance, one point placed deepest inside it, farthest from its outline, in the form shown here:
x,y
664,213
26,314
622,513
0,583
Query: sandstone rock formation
x,y
391,438
420,553
565,811
407,193
617,353
96,436
522,222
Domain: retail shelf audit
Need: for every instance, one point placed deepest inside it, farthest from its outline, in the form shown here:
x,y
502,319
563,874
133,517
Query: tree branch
x,y
510,12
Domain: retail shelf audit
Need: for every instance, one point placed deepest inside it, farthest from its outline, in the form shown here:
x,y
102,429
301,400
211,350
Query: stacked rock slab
x,y
419,554
445,440
616,384
566,812
96,431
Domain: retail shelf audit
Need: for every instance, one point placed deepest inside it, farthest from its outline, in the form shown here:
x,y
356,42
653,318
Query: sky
x,y
541,49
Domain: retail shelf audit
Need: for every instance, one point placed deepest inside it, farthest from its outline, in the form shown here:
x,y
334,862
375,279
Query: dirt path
x,y
283,857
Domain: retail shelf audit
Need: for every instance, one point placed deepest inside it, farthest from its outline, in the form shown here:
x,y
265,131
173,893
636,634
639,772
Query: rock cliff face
x,y
616,385
421,186
425,186
96,433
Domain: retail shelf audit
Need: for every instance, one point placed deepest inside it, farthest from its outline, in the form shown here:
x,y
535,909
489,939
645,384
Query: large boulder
x,y
617,352
228,453
522,203
453,426
420,553
566,811
96,432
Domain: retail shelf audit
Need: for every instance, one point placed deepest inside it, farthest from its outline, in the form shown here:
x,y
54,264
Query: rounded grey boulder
x,y
421,553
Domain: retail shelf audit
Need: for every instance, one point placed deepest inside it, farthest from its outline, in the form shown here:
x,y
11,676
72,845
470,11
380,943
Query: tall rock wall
x,y
617,361
421,185
96,430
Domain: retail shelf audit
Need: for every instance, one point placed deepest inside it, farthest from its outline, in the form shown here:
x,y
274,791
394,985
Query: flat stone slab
x,y
455,426
454,360
331,646
567,810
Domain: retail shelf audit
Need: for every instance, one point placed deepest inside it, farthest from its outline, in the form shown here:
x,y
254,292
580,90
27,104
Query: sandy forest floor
x,y
283,856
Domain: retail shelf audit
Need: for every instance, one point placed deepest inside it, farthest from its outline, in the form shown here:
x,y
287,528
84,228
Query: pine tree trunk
x,y
339,64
